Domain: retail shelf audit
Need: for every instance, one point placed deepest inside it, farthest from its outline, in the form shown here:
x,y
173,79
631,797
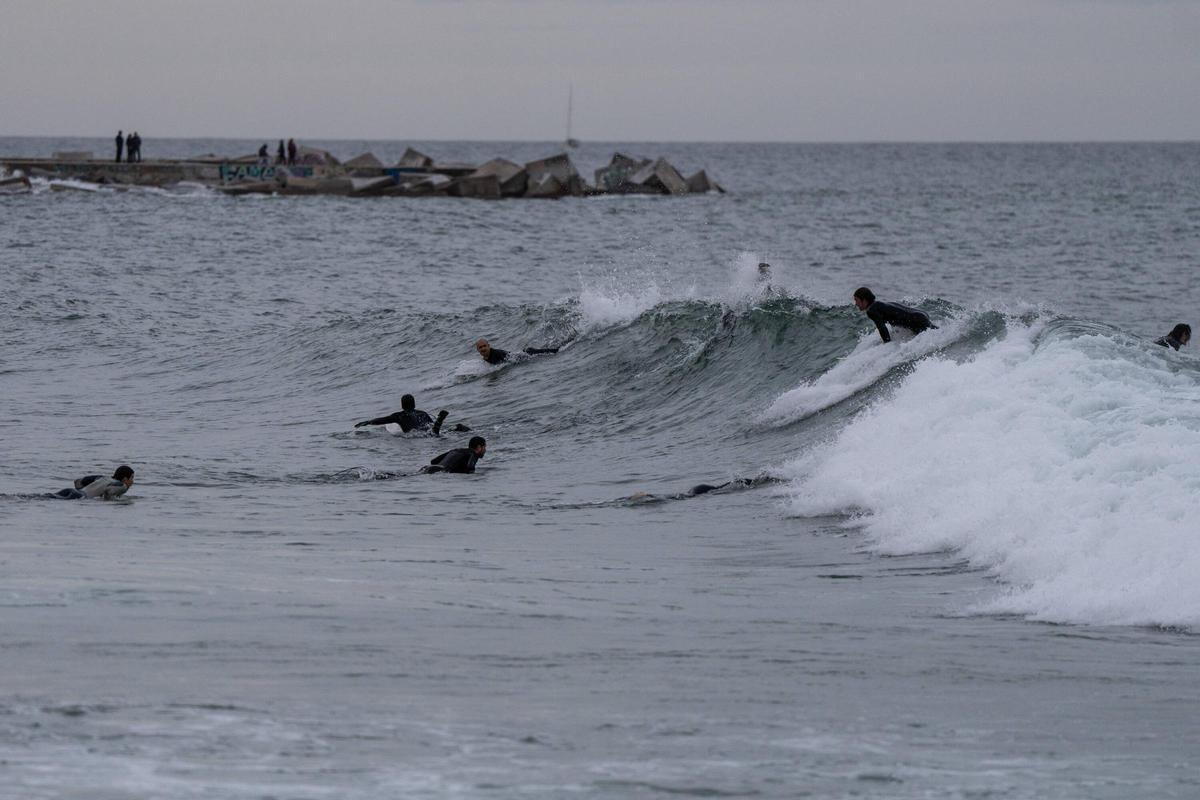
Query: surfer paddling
x,y
460,460
494,355
411,418
884,314
98,487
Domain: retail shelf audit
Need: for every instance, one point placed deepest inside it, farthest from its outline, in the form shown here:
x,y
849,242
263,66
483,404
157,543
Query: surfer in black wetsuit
x,y
460,459
703,488
1180,335
411,418
884,314
99,487
494,355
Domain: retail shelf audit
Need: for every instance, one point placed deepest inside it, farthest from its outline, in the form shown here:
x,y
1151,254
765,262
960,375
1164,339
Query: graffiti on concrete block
x,y
261,172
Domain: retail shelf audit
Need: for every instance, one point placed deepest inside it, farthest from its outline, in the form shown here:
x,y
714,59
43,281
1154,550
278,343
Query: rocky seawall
x,y
317,172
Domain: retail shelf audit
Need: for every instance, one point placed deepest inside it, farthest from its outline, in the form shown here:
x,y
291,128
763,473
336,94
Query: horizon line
x,y
631,141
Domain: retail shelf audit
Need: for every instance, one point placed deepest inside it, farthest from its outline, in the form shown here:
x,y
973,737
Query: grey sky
x,y
811,70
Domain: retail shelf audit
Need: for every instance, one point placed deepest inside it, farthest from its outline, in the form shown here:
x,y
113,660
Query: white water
x,y
1067,469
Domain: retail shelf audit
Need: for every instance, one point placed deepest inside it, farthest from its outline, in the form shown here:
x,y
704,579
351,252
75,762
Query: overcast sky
x,y
642,70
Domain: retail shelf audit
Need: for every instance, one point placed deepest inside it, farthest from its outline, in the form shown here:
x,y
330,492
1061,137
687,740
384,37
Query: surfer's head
x,y
124,474
764,271
483,347
477,444
863,297
408,403
1182,333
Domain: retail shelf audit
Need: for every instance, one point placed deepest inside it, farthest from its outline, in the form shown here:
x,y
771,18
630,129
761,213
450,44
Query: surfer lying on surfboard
x,y
411,418
98,486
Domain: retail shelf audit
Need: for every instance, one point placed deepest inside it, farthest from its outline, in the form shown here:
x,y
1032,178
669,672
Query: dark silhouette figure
x,y
120,145
1180,335
279,153
461,459
291,152
883,314
99,487
128,147
135,148
494,355
409,418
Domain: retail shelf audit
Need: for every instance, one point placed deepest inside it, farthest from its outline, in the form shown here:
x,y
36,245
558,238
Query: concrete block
x,y
700,182
310,186
259,187
18,184
545,186
512,177
367,160
559,167
370,187
661,176
73,185
455,169
414,158
426,185
619,169
314,157
485,186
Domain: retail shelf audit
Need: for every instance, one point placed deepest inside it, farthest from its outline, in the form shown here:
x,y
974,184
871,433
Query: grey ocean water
x,y
281,609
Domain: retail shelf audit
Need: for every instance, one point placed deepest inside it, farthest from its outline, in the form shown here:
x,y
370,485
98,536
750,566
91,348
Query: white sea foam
x,y
869,361
473,368
72,184
1068,469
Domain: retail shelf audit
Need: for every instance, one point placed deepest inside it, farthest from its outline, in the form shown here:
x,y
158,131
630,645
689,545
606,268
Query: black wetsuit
x,y
1169,341
460,459
93,486
407,420
496,355
883,314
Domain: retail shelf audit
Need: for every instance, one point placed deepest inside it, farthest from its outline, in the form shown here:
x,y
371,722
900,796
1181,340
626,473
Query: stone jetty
x,y
318,172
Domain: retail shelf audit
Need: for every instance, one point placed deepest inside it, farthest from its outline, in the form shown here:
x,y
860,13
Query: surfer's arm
x,y
537,351
379,420
437,423
882,326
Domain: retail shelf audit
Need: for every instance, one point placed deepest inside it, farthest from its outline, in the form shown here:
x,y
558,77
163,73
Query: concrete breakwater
x,y
415,175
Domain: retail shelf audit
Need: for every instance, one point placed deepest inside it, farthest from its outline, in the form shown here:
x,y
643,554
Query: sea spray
x,y
617,302
621,298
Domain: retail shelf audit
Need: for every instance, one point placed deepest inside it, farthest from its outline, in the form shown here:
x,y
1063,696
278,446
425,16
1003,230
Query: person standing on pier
x,y
120,145
135,148
128,147
279,154
291,152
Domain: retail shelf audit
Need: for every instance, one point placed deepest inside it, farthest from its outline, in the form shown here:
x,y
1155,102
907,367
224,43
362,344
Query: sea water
x,y
966,568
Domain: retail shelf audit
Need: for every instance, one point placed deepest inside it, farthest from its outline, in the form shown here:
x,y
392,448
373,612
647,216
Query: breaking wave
x,y
1061,458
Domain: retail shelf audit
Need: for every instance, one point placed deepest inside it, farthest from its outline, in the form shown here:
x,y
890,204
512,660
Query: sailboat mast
x,y
570,110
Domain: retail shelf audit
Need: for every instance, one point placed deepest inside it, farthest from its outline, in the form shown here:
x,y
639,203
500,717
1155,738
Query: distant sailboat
x,y
571,141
